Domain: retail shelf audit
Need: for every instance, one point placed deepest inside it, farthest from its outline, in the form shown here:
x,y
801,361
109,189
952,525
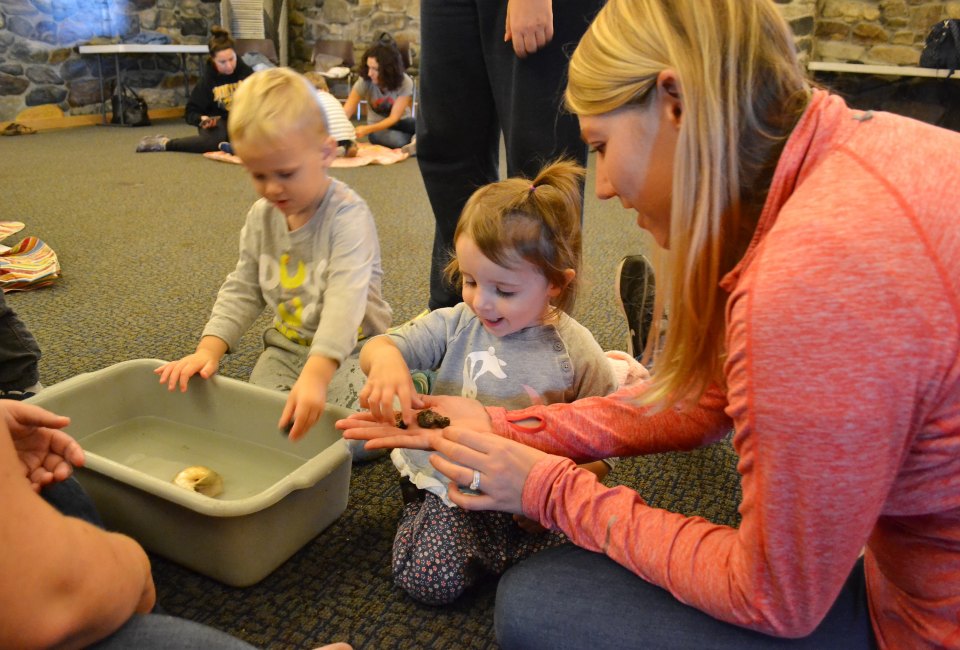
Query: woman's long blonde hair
x,y
742,92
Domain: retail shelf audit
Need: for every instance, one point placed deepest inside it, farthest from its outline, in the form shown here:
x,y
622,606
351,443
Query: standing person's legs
x,y
19,352
529,93
567,597
458,132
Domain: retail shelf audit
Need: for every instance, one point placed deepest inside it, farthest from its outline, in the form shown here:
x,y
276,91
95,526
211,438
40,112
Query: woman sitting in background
x,y
388,91
209,102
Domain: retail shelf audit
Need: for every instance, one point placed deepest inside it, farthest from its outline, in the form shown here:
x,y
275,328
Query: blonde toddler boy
x,y
308,251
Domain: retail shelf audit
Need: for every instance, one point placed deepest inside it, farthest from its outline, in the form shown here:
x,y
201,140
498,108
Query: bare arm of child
x,y
205,360
387,376
308,397
598,467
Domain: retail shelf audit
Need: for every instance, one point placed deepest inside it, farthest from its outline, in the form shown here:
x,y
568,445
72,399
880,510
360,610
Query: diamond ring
x,y
475,483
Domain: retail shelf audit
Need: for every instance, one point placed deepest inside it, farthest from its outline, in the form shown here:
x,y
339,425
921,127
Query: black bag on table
x,y
942,47
134,109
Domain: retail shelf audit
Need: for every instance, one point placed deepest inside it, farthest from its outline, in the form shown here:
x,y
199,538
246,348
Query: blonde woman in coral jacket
x,y
812,282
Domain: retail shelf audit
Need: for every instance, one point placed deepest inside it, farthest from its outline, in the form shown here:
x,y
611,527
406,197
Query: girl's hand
x,y
503,466
389,378
528,525
363,130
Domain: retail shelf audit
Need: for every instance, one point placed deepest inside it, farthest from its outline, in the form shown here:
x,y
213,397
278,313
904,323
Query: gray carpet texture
x,y
145,240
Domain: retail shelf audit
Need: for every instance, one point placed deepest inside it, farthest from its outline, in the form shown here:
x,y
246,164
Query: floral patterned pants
x,y
439,551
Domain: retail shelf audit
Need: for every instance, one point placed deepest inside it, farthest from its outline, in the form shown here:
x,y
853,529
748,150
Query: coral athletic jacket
x,y
843,334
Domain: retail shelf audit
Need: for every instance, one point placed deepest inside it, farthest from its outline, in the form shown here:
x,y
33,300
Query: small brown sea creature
x,y
200,479
427,419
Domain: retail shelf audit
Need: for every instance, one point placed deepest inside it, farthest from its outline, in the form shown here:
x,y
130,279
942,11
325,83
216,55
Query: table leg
x,y
186,78
118,88
103,101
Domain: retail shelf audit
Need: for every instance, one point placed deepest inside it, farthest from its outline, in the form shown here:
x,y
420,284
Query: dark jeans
x,y
205,140
147,631
402,133
473,87
19,352
567,597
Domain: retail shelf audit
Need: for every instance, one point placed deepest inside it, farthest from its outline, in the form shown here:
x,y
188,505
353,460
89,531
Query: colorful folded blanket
x,y
31,264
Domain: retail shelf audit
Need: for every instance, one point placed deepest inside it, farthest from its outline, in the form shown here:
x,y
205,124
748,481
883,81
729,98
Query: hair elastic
x,y
533,188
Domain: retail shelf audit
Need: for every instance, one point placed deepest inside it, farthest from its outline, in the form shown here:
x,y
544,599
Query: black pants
x,y
473,87
19,352
205,140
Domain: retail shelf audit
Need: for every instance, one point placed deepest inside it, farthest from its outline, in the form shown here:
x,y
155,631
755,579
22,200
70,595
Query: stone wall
x,y
359,21
802,17
39,63
885,32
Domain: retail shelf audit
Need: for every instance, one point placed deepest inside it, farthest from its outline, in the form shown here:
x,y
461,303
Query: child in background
x,y
19,356
510,343
308,251
341,129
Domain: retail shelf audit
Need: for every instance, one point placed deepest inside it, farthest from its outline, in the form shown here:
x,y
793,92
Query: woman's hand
x,y
463,412
47,454
364,426
503,466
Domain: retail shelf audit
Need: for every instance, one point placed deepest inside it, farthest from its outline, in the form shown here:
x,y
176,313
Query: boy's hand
x,y
206,361
180,372
308,397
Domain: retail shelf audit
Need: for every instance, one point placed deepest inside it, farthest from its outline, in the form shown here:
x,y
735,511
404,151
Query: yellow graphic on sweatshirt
x,y
286,280
289,320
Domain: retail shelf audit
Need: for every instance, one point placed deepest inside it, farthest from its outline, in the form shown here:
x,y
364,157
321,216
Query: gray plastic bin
x,y
137,435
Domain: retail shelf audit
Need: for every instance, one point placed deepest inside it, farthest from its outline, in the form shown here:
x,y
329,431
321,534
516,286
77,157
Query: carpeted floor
x,y
145,241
